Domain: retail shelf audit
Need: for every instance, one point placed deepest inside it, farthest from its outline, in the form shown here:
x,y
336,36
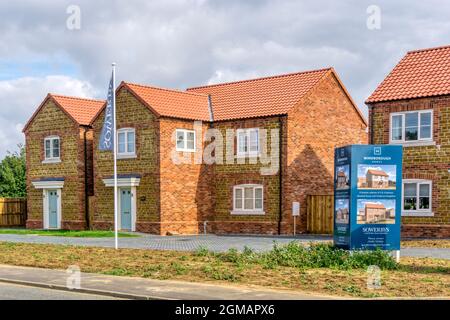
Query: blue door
x,y
125,208
53,209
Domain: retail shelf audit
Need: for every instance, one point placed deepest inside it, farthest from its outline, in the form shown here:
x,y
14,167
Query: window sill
x,y
248,213
181,150
247,155
49,161
417,214
126,156
415,143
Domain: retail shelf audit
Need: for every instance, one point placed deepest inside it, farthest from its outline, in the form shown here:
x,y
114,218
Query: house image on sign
x,y
342,180
377,179
342,215
374,212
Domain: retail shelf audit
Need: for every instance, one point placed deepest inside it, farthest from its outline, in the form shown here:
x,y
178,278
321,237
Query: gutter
x,y
86,188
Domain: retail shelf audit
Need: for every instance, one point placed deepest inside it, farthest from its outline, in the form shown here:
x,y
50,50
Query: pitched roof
x,y
260,97
377,173
375,206
171,103
80,110
421,73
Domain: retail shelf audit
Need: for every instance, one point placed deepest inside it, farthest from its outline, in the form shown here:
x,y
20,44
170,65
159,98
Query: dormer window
x,y
52,149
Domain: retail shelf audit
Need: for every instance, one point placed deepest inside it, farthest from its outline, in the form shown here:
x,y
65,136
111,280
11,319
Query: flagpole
x,y
116,216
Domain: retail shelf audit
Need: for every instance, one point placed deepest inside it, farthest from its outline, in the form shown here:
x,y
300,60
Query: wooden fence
x,y
13,212
319,209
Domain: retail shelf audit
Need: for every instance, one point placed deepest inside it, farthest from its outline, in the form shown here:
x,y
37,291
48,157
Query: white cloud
x,y
20,98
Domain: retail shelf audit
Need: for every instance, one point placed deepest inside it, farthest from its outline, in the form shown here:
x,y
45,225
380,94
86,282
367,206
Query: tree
x,y
12,174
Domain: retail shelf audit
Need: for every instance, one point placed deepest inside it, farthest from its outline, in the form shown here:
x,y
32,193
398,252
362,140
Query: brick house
x,y
374,212
377,179
342,180
278,135
411,107
169,182
59,162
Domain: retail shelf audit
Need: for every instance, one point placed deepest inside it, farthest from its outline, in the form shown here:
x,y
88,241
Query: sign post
x,y
295,213
367,193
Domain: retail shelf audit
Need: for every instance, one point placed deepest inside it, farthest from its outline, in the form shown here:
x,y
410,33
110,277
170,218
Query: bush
x,y
315,256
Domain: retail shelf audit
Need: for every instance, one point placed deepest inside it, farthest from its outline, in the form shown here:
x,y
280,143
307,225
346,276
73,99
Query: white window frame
x,y
247,133
254,211
52,159
126,154
417,212
185,133
411,142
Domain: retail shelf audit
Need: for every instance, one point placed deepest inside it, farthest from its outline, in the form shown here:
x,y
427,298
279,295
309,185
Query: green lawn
x,y
67,233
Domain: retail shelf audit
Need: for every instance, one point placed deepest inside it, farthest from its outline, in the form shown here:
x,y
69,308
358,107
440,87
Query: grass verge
x,y
67,233
417,243
281,268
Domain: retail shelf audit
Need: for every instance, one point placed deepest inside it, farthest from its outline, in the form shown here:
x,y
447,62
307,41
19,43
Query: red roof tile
x,y
377,173
80,110
421,73
172,103
371,205
260,97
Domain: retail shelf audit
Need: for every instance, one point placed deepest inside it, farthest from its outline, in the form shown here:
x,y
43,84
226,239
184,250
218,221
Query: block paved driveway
x,y
212,242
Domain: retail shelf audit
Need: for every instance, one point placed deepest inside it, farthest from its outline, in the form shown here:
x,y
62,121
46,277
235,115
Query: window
x,y
52,149
185,140
126,142
248,142
248,199
412,126
416,196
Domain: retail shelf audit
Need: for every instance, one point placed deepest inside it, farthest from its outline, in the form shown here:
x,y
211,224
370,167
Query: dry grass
x,y
444,243
416,277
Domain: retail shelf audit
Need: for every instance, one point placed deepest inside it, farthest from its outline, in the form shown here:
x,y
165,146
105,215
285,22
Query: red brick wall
x,y
422,162
228,175
186,193
322,121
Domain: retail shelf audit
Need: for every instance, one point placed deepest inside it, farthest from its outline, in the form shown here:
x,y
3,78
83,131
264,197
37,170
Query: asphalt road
x,y
18,292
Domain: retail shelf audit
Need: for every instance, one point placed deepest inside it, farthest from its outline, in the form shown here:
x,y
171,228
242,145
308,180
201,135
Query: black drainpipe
x,y
86,188
371,124
280,175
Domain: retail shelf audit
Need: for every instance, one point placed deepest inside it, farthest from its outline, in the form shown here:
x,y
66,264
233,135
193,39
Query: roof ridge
x,y
429,49
261,78
73,97
165,89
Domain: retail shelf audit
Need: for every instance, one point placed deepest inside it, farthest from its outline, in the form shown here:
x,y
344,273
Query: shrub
x,y
296,255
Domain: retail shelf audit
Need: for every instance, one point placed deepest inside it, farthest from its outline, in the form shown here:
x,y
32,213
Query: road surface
x,y
18,292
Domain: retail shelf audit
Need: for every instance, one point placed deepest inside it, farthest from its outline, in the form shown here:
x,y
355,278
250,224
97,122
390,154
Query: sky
x,y
45,46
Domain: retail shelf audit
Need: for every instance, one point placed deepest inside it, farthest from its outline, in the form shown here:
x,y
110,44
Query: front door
x,y
125,208
53,209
